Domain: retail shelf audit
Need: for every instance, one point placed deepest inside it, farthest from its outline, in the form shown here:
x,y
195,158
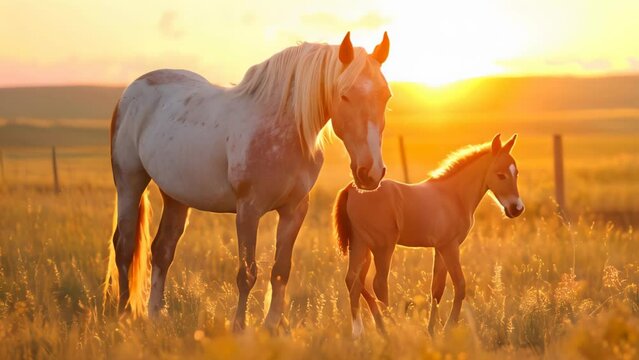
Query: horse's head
x,y
502,175
358,107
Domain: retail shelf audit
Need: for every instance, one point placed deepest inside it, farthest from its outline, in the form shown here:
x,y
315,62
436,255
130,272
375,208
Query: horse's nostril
x,y
362,173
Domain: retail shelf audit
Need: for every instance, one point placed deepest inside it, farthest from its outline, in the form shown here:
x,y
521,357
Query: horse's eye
x,y
501,176
344,98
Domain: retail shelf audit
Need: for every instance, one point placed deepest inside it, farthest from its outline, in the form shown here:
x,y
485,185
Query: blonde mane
x,y
458,160
301,81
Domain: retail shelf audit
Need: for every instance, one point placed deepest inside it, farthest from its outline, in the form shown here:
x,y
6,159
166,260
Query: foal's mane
x,y
300,81
459,159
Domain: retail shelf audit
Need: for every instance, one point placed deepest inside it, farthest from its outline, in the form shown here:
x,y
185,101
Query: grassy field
x,y
537,286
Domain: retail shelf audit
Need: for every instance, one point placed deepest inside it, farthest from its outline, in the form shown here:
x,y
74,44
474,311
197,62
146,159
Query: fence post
x,y
1,166
402,153
559,173
54,161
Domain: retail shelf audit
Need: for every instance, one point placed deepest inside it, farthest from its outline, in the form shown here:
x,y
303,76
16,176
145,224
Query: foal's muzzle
x,y
514,210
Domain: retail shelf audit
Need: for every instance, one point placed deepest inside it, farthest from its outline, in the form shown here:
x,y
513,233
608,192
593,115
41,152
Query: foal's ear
x,y
346,54
496,144
509,145
381,51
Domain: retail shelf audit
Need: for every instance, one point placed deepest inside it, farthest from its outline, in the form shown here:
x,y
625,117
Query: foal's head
x,y
357,112
502,175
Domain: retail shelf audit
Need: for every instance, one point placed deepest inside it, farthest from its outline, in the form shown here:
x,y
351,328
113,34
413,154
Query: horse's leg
x,y
130,186
450,254
356,258
174,215
291,218
370,299
438,285
246,222
382,267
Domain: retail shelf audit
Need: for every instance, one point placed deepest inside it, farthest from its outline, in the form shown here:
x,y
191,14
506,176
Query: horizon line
x,y
628,74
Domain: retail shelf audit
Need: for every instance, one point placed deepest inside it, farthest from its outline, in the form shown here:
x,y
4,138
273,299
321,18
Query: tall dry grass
x,y
536,286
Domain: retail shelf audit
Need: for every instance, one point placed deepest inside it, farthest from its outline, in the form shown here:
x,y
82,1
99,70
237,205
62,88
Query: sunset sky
x,y
435,42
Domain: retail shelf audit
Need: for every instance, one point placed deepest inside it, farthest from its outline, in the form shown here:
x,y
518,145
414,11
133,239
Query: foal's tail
x,y
139,269
341,222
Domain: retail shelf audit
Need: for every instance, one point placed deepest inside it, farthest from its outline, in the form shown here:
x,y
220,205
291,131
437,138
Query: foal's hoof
x,y
379,324
275,328
238,326
357,334
358,328
448,327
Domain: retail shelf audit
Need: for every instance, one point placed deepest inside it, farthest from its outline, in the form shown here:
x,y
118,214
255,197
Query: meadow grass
x,y
537,286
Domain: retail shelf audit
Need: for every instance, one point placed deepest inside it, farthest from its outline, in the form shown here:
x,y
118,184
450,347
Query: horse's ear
x,y
381,51
509,145
346,54
496,144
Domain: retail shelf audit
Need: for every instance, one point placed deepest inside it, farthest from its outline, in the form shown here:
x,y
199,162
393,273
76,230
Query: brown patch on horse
x,y
182,119
458,160
161,77
341,222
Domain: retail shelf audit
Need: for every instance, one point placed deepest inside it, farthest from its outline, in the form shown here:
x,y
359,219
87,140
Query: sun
x,y
445,43
438,72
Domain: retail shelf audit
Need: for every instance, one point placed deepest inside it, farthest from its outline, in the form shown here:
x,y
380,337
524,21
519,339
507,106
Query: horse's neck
x,y
285,117
468,186
272,116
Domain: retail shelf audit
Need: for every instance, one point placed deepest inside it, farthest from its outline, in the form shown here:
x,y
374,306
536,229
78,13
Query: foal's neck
x,y
468,186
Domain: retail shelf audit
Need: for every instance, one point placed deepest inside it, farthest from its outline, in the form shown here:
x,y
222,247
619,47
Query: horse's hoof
x,y
270,328
155,314
285,326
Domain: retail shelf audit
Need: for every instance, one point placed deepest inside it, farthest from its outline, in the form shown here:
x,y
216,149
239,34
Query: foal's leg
x,y
450,254
382,267
291,218
356,258
370,299
438,285
130,187
246,223
171,228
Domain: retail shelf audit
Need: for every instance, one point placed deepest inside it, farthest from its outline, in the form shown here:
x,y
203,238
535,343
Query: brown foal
x,y
438,212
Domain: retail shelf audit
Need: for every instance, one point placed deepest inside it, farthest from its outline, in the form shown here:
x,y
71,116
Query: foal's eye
x,y
501,176
344,98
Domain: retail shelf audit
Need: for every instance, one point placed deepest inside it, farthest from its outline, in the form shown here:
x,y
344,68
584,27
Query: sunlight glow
x,y
437,50
434,43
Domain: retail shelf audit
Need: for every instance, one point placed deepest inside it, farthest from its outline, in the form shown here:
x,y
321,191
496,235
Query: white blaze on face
x,y
512,200
374,146
366,86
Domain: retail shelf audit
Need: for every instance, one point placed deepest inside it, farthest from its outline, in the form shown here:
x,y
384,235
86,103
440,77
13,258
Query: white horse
x,y
247,149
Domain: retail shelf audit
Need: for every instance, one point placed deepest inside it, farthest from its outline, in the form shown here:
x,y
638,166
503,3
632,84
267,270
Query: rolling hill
x,y
64,115
524,94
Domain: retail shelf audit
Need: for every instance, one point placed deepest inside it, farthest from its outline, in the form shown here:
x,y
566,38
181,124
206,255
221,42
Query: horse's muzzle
x,y
364,181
